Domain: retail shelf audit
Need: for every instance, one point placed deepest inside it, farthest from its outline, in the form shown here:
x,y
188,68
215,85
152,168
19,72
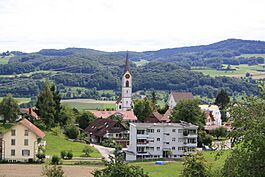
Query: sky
x,y
119,25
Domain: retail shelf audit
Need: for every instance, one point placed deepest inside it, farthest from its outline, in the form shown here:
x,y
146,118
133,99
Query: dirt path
x,y
26,170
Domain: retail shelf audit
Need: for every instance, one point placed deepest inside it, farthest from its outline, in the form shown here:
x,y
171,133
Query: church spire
x,y
127,65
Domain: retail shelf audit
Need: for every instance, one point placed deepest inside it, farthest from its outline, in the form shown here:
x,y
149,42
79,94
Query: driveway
x,y
104,151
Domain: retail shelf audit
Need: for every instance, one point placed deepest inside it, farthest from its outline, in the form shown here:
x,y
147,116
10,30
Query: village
x,y
156,136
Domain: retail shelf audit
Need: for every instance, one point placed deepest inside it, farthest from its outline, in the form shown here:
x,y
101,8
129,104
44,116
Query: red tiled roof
x,y
29,111
166,116
32,127
157,117
126,115
182,96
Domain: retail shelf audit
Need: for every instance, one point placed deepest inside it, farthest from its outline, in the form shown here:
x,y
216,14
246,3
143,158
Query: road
x,y
104,151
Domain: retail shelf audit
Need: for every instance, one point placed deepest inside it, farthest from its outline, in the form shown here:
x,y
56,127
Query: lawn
x,y
251,55
141,62
173,169
89,104
4,60
241,71
56,144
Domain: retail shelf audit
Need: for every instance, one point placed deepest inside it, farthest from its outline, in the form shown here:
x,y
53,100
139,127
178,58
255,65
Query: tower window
x,y
127,83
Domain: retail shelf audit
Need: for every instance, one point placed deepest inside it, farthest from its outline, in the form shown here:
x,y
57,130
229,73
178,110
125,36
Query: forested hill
x,y
167,69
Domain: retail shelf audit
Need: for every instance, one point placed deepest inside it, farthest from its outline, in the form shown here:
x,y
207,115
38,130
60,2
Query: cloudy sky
x,y
114,25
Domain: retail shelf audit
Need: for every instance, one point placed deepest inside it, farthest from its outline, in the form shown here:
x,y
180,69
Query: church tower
x,y
125,101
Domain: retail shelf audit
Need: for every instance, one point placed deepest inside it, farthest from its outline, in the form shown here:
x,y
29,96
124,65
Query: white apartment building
x,y
161,140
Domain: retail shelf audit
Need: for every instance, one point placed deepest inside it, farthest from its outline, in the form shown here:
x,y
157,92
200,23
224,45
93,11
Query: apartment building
x,y
161,140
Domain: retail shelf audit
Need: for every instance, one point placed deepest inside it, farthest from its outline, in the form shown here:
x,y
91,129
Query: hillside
x,y
165,69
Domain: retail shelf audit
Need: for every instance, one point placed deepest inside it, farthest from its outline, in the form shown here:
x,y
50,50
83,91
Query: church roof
x,y
127,64
182,96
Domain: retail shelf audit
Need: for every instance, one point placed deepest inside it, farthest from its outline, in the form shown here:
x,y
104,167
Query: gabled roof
x,y
182,96
157,117
102,126
29,111
32,127
126,115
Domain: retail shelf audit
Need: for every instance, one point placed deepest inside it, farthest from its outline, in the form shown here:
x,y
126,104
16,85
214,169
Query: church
x,y
124,103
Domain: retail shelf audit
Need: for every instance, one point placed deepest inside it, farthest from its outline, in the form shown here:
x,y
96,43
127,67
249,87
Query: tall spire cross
x,y
127,65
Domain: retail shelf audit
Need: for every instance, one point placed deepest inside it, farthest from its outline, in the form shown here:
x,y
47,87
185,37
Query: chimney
x,y
30,111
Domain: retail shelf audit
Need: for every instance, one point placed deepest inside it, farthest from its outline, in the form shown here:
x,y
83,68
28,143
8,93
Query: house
x,y
125,115
175,97
212,116
102,129
29,111
21,142
156,117
161,140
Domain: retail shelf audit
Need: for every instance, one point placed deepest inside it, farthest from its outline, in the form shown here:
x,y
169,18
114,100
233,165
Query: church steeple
x,y
127,65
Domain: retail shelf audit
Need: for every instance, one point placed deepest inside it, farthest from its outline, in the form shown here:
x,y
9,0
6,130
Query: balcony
x,y
190,144
142,136
142,144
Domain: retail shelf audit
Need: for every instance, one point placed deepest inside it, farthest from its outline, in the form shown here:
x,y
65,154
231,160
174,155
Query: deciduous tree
x,y
9,109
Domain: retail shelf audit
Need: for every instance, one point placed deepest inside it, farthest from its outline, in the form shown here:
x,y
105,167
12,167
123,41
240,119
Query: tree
x,y
118,167
142,109
204,139
72,131
57,101
46,105
52,171
85,119
222,99
188,111
219,132
9,109
195,166
153,100
248,155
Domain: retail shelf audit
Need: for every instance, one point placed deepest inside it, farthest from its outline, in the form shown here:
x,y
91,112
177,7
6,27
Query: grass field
x,y
141,62
241,71
173,169
89,104
19,100
56,144
251,55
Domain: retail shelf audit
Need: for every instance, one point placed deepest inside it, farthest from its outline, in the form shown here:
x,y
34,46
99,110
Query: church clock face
x,y
127,76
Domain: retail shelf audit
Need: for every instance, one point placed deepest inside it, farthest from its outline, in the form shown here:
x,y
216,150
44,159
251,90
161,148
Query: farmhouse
x,y
161,140
21,142
102,129
175,97
125,115
212,116
156,117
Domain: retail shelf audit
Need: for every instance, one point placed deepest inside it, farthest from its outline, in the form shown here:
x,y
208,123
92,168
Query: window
x,y
151,148
173,130
13,142
166,142
181,148
158,139
26,133
25,153
13,132
13,152
180,130
166,134
158,148
150,130
127,83
158,130
173,148
173,139
26,142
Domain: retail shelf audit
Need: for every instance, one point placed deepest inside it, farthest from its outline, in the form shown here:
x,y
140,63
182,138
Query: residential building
x,y
21,142
161,140
125,115
175,97
212,116
29,111
102,129
124,102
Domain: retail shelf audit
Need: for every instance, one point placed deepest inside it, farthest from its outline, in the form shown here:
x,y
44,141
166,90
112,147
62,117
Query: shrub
x,y
57,131
54,171
87,150
109,143
55,160
69,155
63,154
72,131
40,156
